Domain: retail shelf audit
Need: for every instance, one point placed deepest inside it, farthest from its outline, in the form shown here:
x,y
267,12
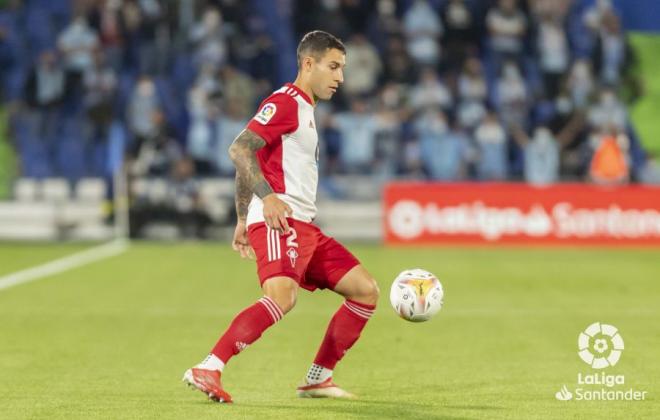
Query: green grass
x,y
21,255
645,112
111,340
7,158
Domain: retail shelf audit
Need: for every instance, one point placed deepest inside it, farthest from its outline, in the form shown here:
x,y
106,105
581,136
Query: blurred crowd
x,y
535,90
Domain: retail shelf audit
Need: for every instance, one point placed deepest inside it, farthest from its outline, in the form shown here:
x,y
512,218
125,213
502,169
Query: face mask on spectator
x,y
564,105
542,135
608,99
438,123
146,88
511,72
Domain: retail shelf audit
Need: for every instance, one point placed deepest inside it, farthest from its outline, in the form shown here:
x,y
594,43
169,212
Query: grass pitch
x,y
112,339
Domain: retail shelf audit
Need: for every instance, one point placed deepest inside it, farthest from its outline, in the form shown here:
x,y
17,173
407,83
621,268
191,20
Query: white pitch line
x,y
60,265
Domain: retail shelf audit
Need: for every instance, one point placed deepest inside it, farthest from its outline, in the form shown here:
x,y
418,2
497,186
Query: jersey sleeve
x,y
277,115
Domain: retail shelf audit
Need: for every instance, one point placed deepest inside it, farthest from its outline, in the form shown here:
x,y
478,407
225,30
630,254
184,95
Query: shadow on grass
x,y
368,409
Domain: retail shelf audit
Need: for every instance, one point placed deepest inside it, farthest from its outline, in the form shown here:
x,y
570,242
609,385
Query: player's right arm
x,y
250,180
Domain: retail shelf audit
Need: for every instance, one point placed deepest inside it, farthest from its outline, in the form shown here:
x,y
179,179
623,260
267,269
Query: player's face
x,y
328,74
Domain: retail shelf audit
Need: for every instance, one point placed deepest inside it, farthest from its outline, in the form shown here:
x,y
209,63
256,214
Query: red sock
x,y
343,331
247,327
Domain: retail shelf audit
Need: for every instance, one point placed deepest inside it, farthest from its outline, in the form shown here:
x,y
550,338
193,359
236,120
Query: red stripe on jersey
x,y
297,90
284,120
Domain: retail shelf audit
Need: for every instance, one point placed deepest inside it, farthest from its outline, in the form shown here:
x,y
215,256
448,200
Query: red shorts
x,y
312,259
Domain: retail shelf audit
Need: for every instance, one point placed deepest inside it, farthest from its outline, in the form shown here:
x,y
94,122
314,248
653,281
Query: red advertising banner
x,y
432,213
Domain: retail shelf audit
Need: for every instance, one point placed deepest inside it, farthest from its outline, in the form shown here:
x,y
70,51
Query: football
x,y
416,295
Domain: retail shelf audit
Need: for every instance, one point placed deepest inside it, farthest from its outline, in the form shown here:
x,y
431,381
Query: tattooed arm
x,y
250,180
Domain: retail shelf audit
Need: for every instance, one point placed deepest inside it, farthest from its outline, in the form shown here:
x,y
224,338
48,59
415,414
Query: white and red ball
x,y
416,295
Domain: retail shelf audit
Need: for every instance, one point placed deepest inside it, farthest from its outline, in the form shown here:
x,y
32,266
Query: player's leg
x,y
361,293
359,286
283,291
279,298
279,274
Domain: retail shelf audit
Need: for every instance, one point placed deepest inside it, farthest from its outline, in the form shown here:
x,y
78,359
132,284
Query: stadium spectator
x,y
614,61
422,27
461,35
358,129
157,154
106,19
558,8
187,208
609,111
507,26
77,44
593,16
131,23
383,25
650,172
412,162
444,151
199,143
512,95
180,205
610,53
610,162
152,44
261,56
553,51
45,89
228,125
430,91
100,82
491,139
366,66
541,153
142,106
393,114
472,93
399,66
208,39
471,82
238,89
580,83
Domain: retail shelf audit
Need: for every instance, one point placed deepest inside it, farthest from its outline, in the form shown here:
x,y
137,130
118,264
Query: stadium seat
x,y
219,210
157,190
55,189
81,213
358,187
214,188
26,189
90,189
139,187
33,221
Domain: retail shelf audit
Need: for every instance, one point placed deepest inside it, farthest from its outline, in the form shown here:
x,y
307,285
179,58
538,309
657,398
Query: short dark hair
x,y
316,43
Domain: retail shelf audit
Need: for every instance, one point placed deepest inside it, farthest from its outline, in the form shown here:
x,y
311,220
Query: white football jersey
x,y
289,161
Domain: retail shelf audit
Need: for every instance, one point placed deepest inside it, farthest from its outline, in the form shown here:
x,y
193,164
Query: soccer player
x,y
276,159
